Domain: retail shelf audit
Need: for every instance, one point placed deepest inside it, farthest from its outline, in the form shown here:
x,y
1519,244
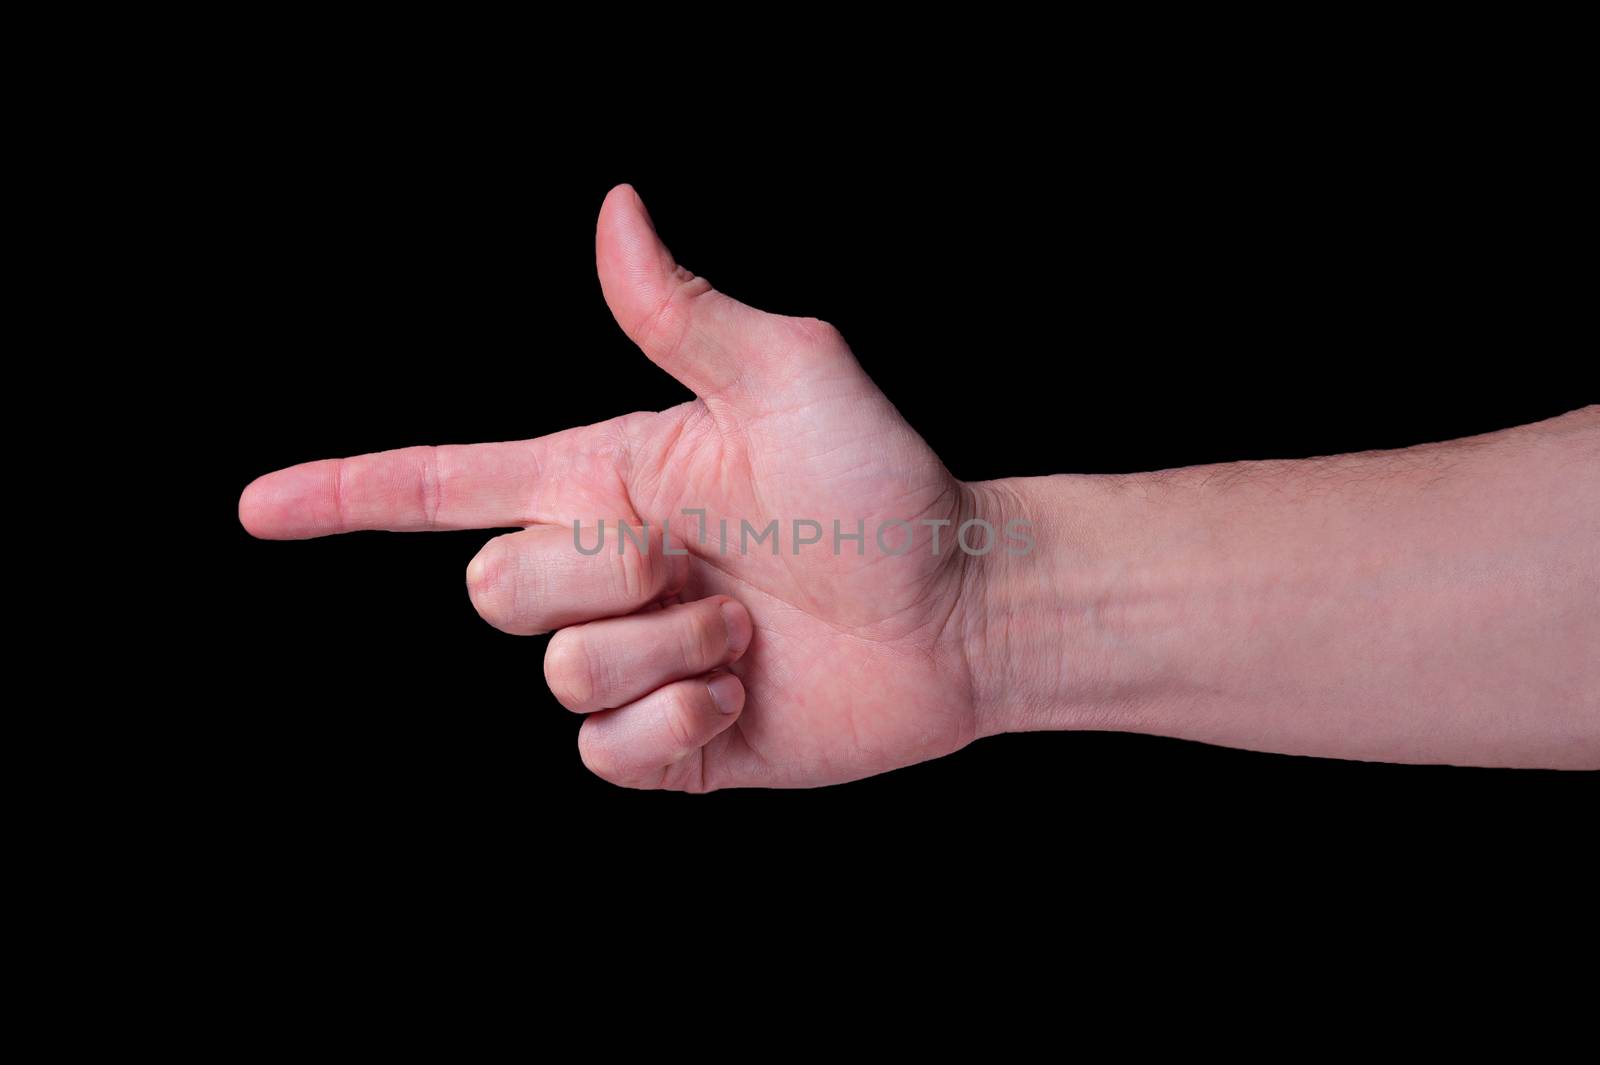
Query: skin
x,y
1434,604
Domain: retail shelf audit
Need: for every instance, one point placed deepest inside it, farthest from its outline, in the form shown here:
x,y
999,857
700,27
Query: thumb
x,y
710,342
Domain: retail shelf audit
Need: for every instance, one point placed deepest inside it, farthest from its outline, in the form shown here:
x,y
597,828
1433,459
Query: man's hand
x,y
1434,604
708,669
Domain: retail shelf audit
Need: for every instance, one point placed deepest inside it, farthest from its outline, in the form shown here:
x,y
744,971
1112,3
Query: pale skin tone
x,y
1435,604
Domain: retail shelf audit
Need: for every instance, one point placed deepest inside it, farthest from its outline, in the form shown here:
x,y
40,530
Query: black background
x,y
1123,282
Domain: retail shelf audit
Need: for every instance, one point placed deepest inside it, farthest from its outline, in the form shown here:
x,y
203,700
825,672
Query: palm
x,y
850,673
854,667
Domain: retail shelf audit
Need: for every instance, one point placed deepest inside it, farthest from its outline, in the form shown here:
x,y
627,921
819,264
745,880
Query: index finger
x,y
413,489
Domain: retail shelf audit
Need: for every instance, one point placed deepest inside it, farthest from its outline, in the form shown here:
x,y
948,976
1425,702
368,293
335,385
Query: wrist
x,y
1048,643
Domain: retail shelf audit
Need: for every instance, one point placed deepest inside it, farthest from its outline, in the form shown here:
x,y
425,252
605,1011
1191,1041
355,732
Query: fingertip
x,y
492,587
477,571
287,504
739,626
629,257
727,692
625,193
258,506
247,508
621,215
644,212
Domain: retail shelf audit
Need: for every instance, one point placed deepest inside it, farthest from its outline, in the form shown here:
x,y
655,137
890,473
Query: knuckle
x,y
483,578
429,486
569,672
481,568
822,334
597,758
666,326
495,582
704,637
639,570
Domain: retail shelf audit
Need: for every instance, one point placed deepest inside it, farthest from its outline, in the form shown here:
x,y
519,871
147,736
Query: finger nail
x,y
737,620
726,692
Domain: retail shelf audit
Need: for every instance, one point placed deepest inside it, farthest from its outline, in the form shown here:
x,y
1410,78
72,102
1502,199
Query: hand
x,y
706,670
1433,604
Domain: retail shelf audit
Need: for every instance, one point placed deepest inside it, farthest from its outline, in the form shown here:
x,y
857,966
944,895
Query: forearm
x,y
1435,604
